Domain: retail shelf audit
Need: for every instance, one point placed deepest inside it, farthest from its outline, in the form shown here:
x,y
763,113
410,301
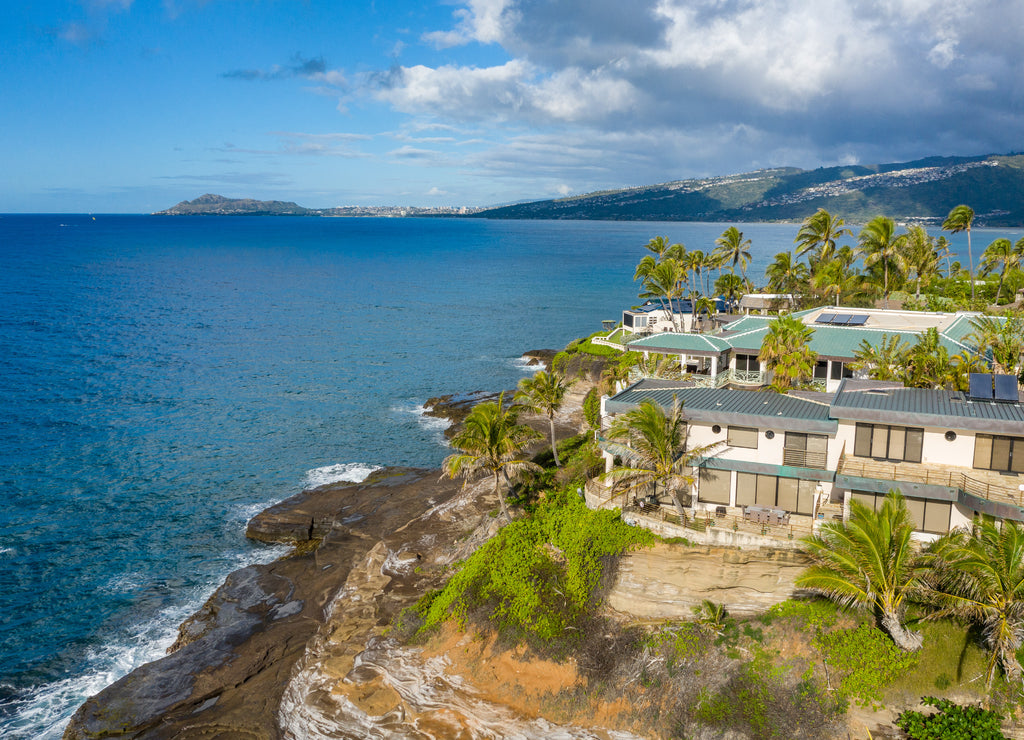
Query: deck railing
x,y
913,473
804,458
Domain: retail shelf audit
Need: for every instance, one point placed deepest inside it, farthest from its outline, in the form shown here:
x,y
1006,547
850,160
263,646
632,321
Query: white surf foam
x,y
342,472
525,365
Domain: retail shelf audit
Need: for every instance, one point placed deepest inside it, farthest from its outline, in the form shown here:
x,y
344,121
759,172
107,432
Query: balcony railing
x,y
916,473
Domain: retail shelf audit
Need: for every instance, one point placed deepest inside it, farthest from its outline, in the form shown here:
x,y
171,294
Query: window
x,y
793,495
747,364
634,322
821,370
927,516
742,437
714,485
840,371
805,450
1004,454
884,442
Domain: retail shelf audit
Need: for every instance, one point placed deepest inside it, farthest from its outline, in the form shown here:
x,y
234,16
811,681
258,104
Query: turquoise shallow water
x,y
164,379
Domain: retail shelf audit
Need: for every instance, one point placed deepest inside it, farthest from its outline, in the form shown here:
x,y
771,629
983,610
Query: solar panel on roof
x,y
980,387
825,318
858,320
1006,388
841,318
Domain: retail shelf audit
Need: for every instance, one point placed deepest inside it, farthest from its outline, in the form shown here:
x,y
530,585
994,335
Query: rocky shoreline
x,y
298,648
231,664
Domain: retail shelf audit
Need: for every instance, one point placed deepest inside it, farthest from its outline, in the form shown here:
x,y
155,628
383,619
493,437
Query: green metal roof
x,y
761,409
675,343
889,403
828,342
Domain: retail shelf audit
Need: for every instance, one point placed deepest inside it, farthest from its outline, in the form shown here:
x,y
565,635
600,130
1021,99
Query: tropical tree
x,y
980,576
786,352
869,561
879,244
837,277
492,440
661,247
787,275
733,249
543,394
1002,339
922,260
654,450
818,234
928,364
730,287
960,219
664,281
1004,255
884,360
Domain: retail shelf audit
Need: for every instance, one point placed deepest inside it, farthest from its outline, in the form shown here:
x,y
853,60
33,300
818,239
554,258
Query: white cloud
x,y
483,21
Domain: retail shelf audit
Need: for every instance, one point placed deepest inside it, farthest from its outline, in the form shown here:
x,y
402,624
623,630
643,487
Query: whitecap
x,y
433,423
528,365
341,472
5,550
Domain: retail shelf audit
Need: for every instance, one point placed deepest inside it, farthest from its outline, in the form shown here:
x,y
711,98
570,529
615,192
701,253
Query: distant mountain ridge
x,y
923,190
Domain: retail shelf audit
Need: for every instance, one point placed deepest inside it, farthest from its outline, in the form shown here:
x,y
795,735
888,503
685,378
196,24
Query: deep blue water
x,y
164,379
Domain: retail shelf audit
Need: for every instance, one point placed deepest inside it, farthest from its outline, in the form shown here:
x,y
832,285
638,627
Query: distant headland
x,y
923,191
218,205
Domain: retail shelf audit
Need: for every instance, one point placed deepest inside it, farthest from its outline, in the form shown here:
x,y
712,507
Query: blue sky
x,y
131,106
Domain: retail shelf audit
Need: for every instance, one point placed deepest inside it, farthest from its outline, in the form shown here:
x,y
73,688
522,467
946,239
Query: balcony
x,y
980,490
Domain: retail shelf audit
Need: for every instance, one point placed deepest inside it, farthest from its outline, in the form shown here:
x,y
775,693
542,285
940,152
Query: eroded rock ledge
x,y
231,663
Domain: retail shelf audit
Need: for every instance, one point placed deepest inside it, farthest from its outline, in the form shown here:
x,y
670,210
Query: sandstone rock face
x,y
667,581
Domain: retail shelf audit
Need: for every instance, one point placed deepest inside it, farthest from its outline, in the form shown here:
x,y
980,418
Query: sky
x,y
130,106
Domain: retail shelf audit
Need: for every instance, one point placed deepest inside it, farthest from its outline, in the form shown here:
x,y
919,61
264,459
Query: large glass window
x,y
714,486
795,496
884,442
747,364
742,437
1005,454
928,516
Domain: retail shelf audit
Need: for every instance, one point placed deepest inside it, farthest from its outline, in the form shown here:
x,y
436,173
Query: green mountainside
x,y
923,190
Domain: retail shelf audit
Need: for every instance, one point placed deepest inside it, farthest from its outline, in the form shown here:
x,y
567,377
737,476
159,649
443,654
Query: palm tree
x,y
1003,339
655,450
735,249
543,394
786,352
662,280
869,561
980,577
921,258
960,219
819,233
878,243
730,287
927,364
660,246
883,361
1001,253
492,440
787,275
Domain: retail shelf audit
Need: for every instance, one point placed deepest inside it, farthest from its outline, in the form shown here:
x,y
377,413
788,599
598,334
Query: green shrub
x,y
539,576
951,722
592,408
866,660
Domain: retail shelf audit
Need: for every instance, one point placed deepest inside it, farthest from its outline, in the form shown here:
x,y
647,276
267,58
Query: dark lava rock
x,y
231,663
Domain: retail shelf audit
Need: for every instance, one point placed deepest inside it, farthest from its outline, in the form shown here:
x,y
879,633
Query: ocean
x,y
163,379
